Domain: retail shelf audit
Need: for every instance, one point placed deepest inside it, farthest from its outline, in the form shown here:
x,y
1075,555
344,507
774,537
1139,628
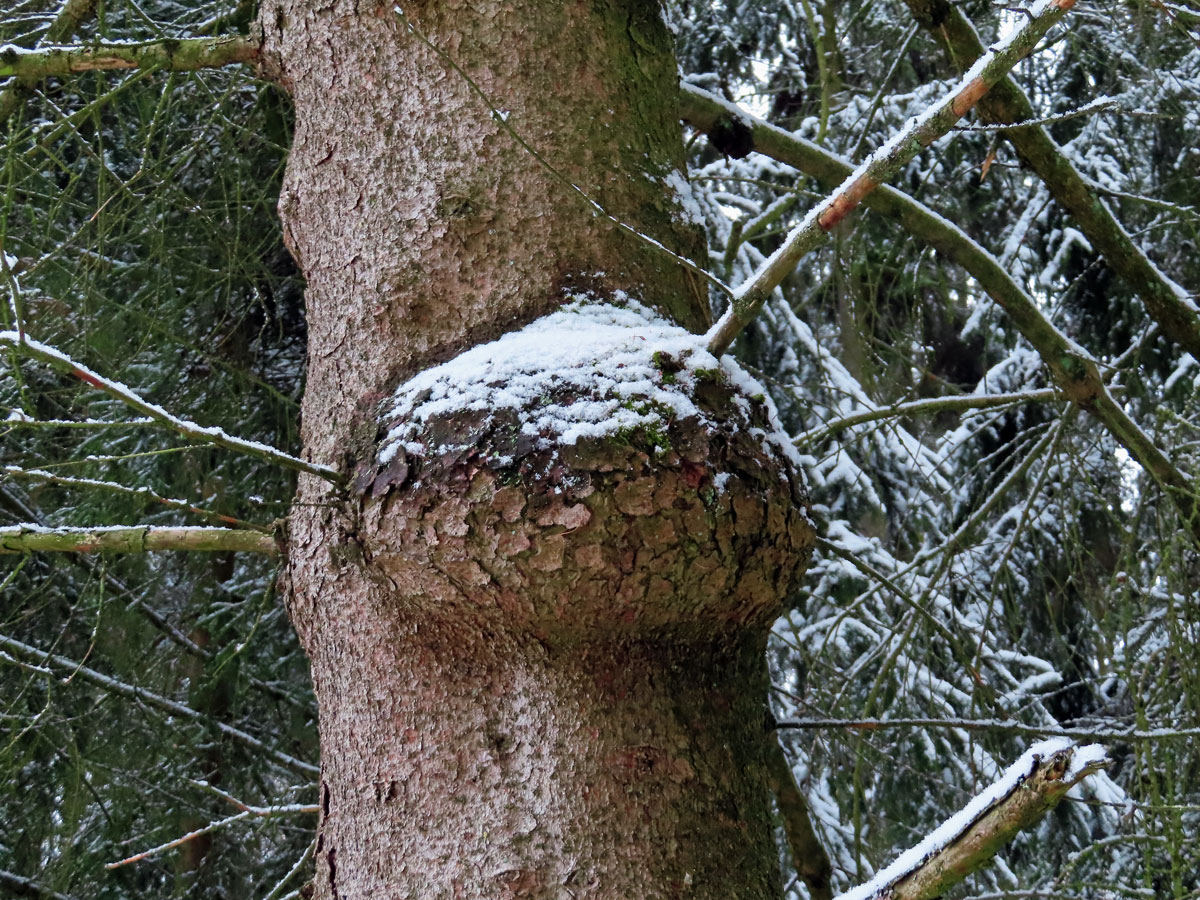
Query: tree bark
x,y
542,677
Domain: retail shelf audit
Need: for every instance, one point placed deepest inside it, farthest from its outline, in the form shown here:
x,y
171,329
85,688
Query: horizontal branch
x,y
883,165
184,54
133,539
139,491
997,726
970,839
218,436
70,667
931,406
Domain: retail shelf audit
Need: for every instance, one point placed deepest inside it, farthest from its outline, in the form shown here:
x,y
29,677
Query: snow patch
x,y
588,370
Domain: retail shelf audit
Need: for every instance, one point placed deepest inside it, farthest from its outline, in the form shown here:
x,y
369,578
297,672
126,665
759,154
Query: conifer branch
x,y
68,19
218,436
1073,369
883,165
61,664
1007,104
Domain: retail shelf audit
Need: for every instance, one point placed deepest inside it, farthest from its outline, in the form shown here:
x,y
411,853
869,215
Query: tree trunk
x,y
539,669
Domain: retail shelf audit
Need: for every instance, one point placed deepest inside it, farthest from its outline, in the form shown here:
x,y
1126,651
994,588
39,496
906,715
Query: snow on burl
x,y
587,370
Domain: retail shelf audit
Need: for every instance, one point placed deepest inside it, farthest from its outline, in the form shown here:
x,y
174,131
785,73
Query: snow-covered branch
x,y
883,165
211,435
969,839
1166,302
930,406
1073,368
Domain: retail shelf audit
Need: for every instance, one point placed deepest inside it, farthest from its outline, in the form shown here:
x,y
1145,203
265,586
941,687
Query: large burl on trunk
x,y
537,648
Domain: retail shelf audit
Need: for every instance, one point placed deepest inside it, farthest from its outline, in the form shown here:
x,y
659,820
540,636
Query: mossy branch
x,y
133,539
184,54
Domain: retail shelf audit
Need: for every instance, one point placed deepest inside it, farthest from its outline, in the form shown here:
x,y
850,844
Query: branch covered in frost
x,y
71,668
1164,300
917,134
968,840
217,436
184,54
29,538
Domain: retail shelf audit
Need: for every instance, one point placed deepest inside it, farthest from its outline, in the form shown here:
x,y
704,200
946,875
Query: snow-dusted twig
x,y
27,538
246,811
140,491
917,134
249,812
931,406
1100,104
217,436
968,840
995,726
58,663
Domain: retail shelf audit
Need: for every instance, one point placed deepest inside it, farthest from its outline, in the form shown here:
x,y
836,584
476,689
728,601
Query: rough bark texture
x,y
543,678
